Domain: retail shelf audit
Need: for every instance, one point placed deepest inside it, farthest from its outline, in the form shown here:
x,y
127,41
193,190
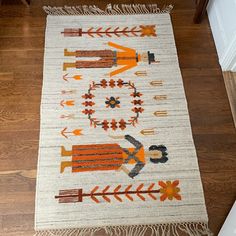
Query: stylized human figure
x,y
125,58
101,157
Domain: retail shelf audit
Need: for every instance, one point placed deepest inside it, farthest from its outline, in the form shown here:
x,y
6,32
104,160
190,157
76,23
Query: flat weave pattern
x,y
116,145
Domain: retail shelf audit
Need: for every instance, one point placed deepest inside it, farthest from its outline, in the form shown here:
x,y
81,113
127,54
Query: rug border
x,y
191,228
115,9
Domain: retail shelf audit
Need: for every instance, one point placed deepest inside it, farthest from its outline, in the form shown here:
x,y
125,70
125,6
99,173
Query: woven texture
x,y
116,146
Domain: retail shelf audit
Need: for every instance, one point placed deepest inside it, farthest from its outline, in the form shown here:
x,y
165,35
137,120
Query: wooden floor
x,y
21,68
230,84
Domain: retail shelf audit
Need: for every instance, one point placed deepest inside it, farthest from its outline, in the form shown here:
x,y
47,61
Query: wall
x,y
222,17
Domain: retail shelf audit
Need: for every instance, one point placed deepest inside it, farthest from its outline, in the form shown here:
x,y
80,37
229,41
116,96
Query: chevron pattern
x,y
119,193
135,31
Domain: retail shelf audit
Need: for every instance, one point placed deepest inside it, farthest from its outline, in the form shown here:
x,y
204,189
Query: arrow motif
x,y
104,192
75,77
90,33
75,132
72,91
136,31
106,198
151,186
160,97
141,73
105,189
140,196
152,196
149,190
93,193
73,195
124,31
100,32
70,116
128,188
115,31
67,103
117,189
156,83
107,32
116,193
147,132
140,187
126,192
139,190
72,32
117,197
160,113
95,199
133,31
94,190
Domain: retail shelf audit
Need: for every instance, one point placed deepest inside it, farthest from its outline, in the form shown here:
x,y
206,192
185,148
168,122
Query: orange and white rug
x,y
116,149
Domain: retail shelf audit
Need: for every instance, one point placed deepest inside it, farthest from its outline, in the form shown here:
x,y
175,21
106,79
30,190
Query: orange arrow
x,y
147,132
75,77
75,132
141,73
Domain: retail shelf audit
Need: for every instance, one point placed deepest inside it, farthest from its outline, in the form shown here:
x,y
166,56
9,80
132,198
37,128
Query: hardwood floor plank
x,y
230,84
16,223
21,43
28,150
21,73
207,159
11,207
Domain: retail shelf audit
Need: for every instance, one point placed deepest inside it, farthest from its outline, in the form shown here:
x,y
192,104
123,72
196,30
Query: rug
x,y
116,150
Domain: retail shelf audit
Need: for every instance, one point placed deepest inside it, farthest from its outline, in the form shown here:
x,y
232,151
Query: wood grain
x,y
21,66
200,11
230,84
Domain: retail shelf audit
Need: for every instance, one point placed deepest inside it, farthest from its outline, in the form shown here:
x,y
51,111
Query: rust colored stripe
x,y
68,200
70,195
95,199
97,162
152,196
129,197
95,157
95,146
96,151
95,168
68,192
106,198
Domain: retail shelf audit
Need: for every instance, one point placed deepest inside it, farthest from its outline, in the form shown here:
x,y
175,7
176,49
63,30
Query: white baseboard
x,y
228,60
229,227
225,40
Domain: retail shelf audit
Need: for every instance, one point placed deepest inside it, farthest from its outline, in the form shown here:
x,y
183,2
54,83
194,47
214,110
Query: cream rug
x,y
116,149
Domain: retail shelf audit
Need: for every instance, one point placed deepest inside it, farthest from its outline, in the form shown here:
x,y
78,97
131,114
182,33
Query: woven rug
x,y
116,151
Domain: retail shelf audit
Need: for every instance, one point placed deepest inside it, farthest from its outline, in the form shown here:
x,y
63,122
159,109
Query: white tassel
x,y
96,10
145,10
116,9
109,10
171,229
69,10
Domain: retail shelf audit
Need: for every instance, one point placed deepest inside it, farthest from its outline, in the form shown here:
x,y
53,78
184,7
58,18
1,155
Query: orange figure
x,y
125,58
101,157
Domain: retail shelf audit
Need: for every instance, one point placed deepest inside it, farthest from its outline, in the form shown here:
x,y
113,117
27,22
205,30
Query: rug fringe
x,y
115,9
172,229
